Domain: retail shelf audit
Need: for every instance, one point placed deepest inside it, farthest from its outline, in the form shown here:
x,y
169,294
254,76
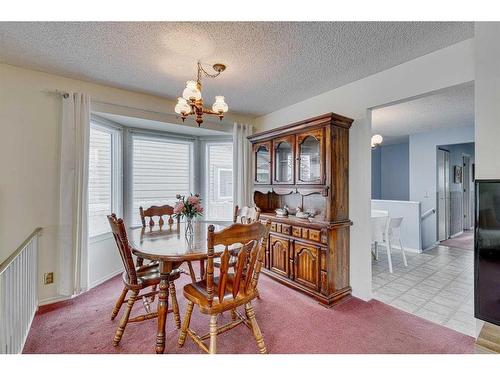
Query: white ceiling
x,y
183,129
270,64
450,108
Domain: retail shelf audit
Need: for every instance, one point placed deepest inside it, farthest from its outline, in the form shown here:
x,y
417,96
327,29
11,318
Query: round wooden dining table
x,y
171,247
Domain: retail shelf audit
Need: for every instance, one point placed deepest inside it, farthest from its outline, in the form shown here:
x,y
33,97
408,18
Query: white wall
x,y
444,68
29,153
487,99
104,260
423,172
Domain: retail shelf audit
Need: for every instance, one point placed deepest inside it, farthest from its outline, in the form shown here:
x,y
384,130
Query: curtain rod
x,y
64,94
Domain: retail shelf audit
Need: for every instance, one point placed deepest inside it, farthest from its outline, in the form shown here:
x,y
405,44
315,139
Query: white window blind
x,y
100,180
219,201
161,170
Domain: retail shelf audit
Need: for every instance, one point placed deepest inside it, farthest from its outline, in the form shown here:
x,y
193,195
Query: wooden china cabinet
x,y
306,165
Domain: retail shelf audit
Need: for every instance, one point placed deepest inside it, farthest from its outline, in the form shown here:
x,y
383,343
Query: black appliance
x,y
487,251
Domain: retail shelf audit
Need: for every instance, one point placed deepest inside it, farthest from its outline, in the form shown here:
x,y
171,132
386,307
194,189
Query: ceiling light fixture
x,y
191,102
377,140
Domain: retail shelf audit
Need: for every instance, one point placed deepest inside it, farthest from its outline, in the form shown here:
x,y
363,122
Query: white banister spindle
x,y
18,295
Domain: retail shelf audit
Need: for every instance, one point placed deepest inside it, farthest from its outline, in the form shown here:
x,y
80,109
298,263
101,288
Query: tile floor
x,y
437,285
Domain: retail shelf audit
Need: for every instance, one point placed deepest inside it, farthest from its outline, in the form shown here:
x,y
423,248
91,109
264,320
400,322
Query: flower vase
x,y
189,227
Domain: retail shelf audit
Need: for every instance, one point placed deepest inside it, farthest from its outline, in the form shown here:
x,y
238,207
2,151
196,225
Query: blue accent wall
x,y
390,172
376,173
394,173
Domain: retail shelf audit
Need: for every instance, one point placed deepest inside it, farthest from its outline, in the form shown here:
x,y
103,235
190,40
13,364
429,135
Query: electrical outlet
x,y
48,278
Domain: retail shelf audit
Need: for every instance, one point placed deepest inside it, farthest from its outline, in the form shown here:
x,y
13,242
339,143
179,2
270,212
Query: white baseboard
x,y
430,247
60,298
398,248
408,249
48,301
457,234
104,278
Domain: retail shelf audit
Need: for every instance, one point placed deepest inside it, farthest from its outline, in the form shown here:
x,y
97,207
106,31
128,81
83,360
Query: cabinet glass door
x,y
262,164
310,162
311,157
283,162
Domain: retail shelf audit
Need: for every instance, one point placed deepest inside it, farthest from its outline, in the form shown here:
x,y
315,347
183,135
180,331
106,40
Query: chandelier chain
x,y
201,70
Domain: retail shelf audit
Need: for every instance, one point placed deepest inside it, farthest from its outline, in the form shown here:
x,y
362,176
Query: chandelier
x,y
191,102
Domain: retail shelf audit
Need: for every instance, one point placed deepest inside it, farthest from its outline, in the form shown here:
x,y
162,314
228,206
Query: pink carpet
x,y
290,323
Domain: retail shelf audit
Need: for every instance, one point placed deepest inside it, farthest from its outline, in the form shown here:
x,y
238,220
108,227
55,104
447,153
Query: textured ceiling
x,y
270,65
450,108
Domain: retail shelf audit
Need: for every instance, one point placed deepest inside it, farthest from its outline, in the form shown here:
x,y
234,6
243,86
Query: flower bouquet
x,y
188,207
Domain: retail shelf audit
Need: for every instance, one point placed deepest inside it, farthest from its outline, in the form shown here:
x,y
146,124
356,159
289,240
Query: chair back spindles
x,y
253,239
121,239
223,275
159,211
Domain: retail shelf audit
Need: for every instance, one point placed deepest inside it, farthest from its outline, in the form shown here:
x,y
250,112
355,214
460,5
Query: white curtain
x,y
73,232
242,168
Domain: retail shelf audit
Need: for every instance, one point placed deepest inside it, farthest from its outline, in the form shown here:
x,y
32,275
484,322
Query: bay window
x,y
104,186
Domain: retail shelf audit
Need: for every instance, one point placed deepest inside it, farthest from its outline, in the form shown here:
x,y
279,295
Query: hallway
x,y
464,241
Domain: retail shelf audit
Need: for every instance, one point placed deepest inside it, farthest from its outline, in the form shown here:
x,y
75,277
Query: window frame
x,y
206,177
219,195
116,134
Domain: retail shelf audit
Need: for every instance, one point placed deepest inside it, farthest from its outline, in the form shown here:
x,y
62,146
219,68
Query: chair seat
x,y
149,275
197,293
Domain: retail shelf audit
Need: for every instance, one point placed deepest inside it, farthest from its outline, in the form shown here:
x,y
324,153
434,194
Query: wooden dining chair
x,y
135,279
160,211
228,291
246,215
243,215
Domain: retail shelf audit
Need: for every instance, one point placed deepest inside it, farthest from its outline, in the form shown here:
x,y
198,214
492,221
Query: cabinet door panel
x,y
262,162
279,250
284,160
307,265
310,153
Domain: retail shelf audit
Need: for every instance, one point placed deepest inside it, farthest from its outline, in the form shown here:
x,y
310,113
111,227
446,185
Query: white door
x,y
443,194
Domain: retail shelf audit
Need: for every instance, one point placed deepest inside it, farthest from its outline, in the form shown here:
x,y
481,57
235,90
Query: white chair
x,y
394,235
379,228
387,231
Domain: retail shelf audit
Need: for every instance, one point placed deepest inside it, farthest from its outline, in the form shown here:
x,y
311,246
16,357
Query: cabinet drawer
x,y
296,231
286,229
314,235
273,226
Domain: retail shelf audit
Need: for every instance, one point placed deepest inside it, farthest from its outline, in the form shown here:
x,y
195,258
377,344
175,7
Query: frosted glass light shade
x,y
182,107
220,105
377,139
191,92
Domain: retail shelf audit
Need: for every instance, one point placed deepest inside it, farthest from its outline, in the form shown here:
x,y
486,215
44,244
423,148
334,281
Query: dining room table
x,y
171,246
